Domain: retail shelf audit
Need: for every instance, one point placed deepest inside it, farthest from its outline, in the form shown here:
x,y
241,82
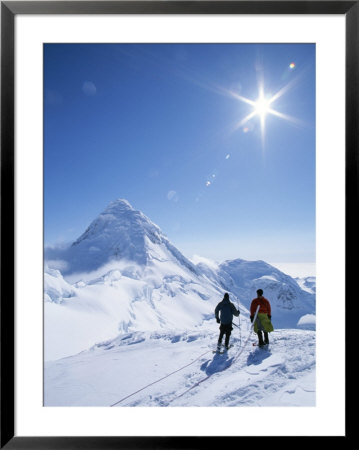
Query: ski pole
x,y
255,318
239,326
240,339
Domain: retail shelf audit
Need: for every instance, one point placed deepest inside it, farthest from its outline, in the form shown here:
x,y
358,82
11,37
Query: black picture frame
x,y
9,10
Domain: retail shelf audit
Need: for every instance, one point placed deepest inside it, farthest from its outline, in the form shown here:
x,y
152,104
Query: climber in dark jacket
x,y
227,310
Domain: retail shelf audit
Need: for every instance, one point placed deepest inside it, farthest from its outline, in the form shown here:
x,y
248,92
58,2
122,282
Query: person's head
x,y
259,292
226,296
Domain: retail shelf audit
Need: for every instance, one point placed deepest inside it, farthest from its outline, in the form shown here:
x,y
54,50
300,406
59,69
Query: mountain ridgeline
x,y
118,233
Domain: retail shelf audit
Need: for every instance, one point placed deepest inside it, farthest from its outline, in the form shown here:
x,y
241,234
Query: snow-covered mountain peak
x,y
120,223
121,209
123,233
120,204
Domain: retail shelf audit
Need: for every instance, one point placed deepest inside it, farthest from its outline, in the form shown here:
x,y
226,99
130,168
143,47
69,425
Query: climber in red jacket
x,y
264,316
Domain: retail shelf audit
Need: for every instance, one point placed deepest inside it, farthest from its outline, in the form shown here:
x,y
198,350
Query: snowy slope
x,y
307,284
179,369
56,289
125,299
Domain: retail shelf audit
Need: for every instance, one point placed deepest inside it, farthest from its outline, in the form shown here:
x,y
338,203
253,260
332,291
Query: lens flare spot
x,y
208,183
245,130
228,156
292,66
172,196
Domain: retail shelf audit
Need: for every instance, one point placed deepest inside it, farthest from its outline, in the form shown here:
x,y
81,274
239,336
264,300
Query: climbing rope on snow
x,y
183,367
233,360
157,381
248,337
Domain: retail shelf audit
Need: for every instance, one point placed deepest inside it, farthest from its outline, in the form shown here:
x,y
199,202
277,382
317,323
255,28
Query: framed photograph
x,y
177,180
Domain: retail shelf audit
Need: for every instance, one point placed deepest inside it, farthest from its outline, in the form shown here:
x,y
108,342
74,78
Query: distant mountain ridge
x,y
285,294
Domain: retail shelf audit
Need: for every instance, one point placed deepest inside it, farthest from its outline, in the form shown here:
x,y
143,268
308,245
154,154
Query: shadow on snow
x,y
258,356
219,363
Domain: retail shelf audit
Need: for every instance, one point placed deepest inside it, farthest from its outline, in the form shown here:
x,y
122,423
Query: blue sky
x,y
158,125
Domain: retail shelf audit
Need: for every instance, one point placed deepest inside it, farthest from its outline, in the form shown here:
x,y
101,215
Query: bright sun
x,y
262,106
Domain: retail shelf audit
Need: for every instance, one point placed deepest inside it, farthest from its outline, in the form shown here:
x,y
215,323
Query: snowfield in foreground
x,y
180,369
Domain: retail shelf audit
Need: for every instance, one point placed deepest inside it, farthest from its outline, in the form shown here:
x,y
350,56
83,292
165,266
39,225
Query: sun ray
x,y
284,116
245,120
281,92
241,98
286,88
263,129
